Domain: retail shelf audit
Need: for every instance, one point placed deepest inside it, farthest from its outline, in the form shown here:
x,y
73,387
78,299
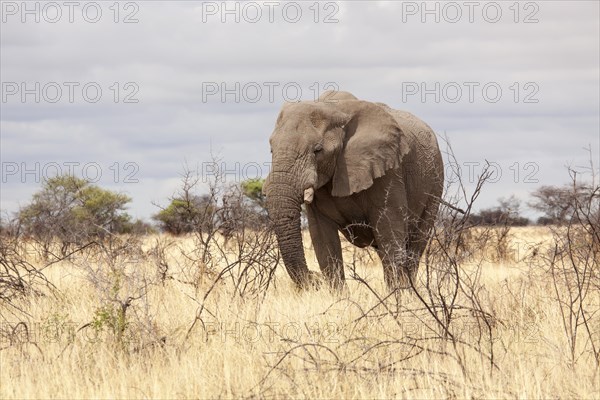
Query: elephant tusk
x,y
308,195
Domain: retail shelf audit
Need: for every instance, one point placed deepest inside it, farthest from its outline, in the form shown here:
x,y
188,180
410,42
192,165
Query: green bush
x,y
184,215
74,211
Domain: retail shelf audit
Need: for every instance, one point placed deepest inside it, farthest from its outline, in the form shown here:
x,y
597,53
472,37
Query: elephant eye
x,y
318,147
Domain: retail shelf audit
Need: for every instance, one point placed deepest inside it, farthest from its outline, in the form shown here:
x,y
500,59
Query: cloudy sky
x,y
127,95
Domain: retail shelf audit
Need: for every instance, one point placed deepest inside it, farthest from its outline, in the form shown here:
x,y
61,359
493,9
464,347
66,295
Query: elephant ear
x,y
326,118
374,144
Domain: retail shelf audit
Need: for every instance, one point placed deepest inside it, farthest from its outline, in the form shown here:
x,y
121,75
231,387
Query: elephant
x,y
373,173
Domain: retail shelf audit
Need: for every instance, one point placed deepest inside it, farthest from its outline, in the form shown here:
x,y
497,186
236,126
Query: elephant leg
x,y
327,245
420,233
416,246
394,258
392,247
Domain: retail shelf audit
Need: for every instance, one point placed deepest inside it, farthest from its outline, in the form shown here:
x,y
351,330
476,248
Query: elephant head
x,y
338,141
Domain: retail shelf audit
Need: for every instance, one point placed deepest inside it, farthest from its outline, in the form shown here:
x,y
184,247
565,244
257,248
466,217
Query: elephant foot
x,y
311,281
316,281
402,280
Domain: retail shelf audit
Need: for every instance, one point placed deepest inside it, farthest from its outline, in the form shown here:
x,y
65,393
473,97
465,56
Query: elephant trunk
x,y
283,204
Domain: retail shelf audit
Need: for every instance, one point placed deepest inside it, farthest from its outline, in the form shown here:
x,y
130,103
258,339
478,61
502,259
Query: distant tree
x,y
101,210
73,211
242,208
138,227
187,214
507,212
228,211
557,202
253,189
246,205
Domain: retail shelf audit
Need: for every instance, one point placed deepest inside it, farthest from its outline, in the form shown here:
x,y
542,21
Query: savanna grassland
x,y
165,317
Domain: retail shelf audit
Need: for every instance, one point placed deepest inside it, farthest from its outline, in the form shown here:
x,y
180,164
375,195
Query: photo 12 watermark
x,y
271,92
69,92
415,329
67,331
452,12
253,12
271,332
526,172
515,172
471,92
91,171
53,12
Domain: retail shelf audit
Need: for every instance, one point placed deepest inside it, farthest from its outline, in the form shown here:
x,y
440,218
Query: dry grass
x,y
74,343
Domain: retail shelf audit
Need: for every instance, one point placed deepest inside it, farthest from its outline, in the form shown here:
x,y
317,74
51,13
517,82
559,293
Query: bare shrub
x,y
489,233
21,280
453,295
121,283
574,264
18,277
231,242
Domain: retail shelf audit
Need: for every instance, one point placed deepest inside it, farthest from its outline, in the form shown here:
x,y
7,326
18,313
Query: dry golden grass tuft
x,y
148,321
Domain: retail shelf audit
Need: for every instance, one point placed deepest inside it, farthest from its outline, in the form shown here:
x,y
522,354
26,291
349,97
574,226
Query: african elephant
x,y
371,172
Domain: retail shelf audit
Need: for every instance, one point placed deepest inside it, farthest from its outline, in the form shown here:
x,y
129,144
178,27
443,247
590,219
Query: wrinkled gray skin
x,y
373,173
